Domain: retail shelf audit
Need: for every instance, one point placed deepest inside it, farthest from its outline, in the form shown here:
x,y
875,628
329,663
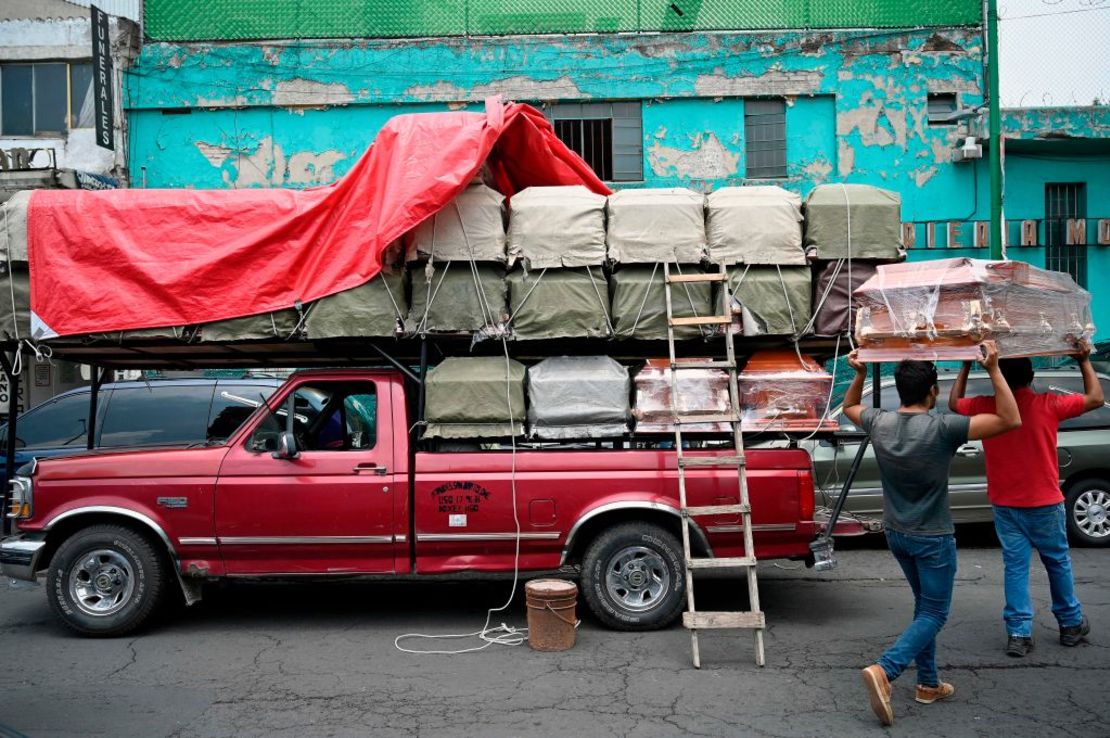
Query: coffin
x,y
782,390
699,390
941,310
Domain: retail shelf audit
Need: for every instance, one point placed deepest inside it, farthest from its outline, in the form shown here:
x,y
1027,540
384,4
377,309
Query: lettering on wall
x,y
1077,232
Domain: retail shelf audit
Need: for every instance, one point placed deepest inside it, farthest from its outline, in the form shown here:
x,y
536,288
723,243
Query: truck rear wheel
x,y
633,577
105,580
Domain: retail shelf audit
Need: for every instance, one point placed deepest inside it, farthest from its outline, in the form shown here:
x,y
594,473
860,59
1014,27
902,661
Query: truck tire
x,y
1087,507
633,577
105,580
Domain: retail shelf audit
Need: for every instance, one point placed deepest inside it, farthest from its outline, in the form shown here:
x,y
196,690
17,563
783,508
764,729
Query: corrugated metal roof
x,y
130,9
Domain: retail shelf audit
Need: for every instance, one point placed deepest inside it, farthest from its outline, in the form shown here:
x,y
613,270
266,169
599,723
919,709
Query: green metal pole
x,y
995,144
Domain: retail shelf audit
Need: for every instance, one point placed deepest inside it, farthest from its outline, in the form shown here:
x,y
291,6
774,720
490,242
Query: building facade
x,y
651,94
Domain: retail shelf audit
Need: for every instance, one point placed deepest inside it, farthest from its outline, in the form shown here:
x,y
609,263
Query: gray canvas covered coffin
x,y
639,302
559,303
475,397
458,297
754,225
774,301
470,227
648,226
832,294
282,325
552,227
578,397
15,278
375,309
874,216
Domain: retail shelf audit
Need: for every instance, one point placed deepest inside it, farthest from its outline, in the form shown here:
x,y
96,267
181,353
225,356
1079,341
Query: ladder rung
x,y
706,418
697,277
693,364
711,461
702,320
726,562
699,620
717,509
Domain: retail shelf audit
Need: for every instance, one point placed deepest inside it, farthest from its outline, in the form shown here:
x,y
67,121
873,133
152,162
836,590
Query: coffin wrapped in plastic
x,y
652,225
375,309
853,220
559,303
639,302
552,227
770,301
471,227
475,397
781,390
754,225
833,303
578,397
942,310
457,297
699,391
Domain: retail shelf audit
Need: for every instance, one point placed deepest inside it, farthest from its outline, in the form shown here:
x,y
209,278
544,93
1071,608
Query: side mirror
x,y
287,447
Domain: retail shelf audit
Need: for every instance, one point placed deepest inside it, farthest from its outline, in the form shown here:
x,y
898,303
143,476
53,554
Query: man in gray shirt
x,y
914,448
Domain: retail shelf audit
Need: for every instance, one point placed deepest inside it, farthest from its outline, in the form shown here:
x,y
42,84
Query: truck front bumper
x,y
19,555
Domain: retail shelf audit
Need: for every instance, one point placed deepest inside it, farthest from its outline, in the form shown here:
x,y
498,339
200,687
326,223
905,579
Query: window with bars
x,y
765,138
607,135
1065,201
45,97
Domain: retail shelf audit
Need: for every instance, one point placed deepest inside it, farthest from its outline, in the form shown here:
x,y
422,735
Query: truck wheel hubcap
x,y
1092,513
101,582
637,578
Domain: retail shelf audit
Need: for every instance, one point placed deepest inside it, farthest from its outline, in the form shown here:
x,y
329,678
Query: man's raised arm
x,y
1005,416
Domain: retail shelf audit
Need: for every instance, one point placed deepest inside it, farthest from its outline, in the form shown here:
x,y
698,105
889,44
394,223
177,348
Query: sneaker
x,y
878,691
929,695
1018,646
1075,634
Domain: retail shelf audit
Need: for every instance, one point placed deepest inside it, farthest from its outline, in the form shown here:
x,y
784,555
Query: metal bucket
x,y
551,614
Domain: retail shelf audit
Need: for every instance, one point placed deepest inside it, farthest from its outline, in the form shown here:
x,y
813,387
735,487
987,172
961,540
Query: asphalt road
x,y
320,661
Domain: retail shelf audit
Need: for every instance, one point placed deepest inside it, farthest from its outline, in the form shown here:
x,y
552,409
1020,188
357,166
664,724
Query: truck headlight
x,y
21,502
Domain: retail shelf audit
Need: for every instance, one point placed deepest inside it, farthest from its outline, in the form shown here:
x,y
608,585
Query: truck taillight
x,y
806,493
20,504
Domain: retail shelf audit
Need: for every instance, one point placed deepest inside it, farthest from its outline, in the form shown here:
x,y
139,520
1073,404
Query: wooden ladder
x,y
693,619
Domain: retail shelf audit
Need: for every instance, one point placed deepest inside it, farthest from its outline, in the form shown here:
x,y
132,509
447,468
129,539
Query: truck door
x,y
328,510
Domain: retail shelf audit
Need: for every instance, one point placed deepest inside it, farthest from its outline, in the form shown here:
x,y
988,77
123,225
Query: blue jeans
x,y
929,563
1020,530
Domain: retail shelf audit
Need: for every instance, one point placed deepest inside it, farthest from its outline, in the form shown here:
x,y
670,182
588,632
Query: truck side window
x,y
330,416
58,424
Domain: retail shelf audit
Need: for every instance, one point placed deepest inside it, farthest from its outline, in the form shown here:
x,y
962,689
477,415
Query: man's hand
x,y
855,363
1083,351
989,358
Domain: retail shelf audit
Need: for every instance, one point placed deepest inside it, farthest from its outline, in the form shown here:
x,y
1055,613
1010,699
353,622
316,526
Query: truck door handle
x,y
969,451
381,471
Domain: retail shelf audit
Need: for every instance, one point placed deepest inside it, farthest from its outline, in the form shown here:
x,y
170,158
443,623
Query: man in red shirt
x,y
1023,484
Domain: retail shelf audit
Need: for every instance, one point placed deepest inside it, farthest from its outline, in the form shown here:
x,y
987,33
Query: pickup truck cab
x,y
337,492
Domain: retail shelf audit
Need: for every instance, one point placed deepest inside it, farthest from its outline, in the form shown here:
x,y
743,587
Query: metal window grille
x,y
608,136
765,138
1062,202
941,105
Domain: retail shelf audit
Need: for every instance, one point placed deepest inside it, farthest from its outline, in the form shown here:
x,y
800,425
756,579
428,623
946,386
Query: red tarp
x,y
126,259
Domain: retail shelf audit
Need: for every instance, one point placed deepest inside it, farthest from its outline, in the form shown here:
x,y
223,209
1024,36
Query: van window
x,y
62,423
154,416
1097,418
329,416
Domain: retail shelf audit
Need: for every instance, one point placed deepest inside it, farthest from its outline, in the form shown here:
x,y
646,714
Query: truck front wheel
x,y
105,580
633,577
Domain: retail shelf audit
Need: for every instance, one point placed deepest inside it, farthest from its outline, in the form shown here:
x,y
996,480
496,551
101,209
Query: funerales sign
x,y
102,79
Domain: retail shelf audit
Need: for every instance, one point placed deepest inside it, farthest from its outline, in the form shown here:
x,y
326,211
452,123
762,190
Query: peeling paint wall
x,y
300,113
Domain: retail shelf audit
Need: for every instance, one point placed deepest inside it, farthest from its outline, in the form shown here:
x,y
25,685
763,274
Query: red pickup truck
x,y
337,493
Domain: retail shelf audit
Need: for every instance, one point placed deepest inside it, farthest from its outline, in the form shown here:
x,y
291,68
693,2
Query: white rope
x,y
643,302
503,634
600,300
528,294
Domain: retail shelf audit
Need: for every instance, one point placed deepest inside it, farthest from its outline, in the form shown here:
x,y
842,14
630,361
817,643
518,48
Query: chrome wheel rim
x,y
101,582
638,578
1092,513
